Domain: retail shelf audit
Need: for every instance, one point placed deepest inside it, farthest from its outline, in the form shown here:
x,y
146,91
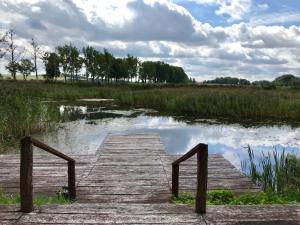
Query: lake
x,y
84,125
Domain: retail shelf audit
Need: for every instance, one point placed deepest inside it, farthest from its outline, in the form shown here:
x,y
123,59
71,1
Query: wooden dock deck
x,y
128,181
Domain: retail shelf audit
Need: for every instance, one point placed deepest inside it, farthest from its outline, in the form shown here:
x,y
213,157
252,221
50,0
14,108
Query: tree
x,y
51,61
228,81
147,71
132,67
78,66
14,55
91,61
26,67
63,53
119,69
36,53
287,80
69,59
107,63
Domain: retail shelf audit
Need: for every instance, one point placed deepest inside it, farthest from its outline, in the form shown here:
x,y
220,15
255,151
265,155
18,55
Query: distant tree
x,y
14,54
69,59
177,75
26,67
52,62
147,71
91,61
244,82
132,67
78,66
74,61
119,69
63,53
36,53
228,81
264,84
108,61
287,80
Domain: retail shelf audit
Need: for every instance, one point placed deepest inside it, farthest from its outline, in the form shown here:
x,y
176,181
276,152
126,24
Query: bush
x,y
220,197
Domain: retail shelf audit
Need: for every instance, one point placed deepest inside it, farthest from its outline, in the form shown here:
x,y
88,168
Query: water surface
x,y
87,125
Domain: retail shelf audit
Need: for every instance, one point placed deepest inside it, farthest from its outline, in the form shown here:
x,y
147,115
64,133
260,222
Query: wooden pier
x,y
128,181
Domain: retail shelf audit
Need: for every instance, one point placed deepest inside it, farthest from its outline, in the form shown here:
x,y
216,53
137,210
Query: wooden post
x,y
202,164
175,179
26,175
71,180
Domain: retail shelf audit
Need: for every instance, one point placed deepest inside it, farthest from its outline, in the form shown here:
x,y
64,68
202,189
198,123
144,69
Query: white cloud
x,y
161,30
263,6
235,9
113,12
275,18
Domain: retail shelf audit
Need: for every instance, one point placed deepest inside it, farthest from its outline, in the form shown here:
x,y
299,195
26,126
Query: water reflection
x,y
80,136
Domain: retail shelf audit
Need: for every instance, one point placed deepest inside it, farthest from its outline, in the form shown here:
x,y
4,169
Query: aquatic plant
x,y
22,110
274,172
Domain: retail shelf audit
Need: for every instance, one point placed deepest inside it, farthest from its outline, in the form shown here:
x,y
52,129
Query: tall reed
x,y
275,172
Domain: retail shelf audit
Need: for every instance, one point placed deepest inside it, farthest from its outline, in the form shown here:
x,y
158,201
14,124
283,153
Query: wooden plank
x,y
128,181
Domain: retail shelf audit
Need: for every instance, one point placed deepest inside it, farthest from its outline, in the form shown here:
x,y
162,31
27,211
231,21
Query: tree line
x,y
74,64
286,80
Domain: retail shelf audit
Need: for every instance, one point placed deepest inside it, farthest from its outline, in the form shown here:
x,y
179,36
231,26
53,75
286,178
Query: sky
x,y
252,39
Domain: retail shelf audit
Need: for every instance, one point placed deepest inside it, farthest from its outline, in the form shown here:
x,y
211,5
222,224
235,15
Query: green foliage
x,y
220,197
26,67
51,61
23,112
184,198
264,84
287,80
227,197
70,60
161,72
6,199
104,67
274,172
228,81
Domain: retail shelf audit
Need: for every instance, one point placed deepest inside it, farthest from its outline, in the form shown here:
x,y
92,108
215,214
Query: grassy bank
x,y
276,174
6,199
227,197
23,112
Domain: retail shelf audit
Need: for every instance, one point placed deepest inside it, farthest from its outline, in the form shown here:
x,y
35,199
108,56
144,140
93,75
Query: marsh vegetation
x,y
24,108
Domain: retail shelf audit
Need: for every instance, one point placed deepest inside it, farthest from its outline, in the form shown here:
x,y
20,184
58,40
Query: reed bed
x,y
23,111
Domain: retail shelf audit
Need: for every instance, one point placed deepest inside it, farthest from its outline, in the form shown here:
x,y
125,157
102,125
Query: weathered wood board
x,y
128,182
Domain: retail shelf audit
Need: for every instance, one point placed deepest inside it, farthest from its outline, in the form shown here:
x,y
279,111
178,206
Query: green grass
x,y
227,197
6,199
22,111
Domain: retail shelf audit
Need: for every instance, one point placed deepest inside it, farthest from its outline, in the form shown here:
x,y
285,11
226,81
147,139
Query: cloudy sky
x,y
253,39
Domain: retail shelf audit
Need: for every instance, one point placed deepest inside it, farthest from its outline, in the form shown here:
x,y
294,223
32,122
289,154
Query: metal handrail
x,y
26,187
202,167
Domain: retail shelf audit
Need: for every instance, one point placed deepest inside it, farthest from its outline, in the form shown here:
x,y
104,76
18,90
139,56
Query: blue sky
x,y
252,39
260,9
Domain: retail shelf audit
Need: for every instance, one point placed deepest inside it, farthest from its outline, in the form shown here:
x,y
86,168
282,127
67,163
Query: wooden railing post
x,y
202,164
26,191
71,180
175,179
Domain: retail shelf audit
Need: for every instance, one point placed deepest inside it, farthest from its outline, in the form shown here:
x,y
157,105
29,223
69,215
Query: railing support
x,y
26,188
175,179
71,180
26,192
202,170
202,158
